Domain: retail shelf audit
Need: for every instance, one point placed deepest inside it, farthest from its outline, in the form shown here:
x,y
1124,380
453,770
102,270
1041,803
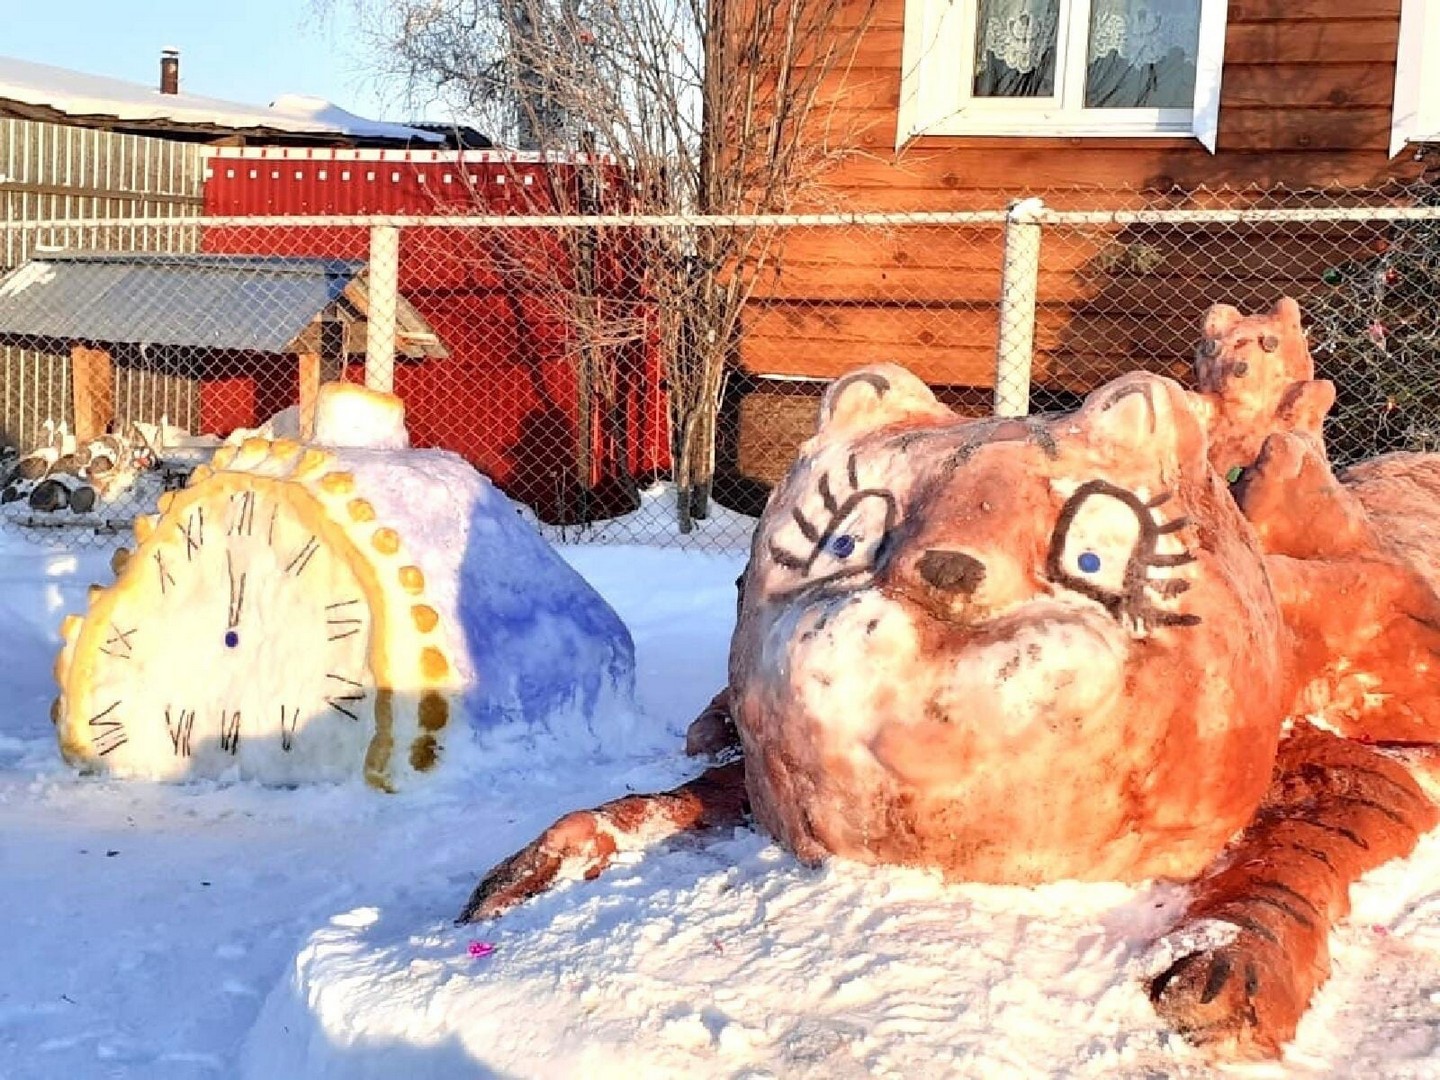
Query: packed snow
x,y
236,930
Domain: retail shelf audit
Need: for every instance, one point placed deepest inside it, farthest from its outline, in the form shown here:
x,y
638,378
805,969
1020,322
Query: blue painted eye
x,y
842,546
1088,562
231,639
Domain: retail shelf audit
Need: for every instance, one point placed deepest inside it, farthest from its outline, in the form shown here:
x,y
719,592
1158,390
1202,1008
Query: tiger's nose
x,y
951,571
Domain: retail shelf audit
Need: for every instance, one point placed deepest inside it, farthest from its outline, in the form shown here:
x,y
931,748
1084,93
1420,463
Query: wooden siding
x,y
1305,103
55,173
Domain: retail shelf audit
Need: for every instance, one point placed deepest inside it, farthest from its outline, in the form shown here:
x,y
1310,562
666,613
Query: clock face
x,y
238,640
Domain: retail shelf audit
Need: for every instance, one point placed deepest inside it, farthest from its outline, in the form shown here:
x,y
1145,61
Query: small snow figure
x,y
481,949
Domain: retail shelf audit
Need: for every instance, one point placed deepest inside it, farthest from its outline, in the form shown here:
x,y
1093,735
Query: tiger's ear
x,y
1218,320
1287,309
1145,414
875,397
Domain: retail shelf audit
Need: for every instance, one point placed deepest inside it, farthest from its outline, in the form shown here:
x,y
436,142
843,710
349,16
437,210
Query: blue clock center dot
x,y
231,639
1089,562
843,545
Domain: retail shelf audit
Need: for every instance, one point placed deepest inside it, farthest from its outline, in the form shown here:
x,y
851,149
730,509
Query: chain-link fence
x,y
623,392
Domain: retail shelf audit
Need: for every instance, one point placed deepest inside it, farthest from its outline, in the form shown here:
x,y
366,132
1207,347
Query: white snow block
x,y
348,415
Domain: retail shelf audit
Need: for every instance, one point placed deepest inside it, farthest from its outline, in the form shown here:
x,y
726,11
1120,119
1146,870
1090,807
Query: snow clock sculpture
x,y
313,612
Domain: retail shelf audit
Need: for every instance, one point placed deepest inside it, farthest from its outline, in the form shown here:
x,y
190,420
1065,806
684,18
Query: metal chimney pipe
x,y
169,71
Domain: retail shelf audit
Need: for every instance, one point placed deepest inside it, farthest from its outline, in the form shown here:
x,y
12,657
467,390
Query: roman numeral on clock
x,y
243,523
349,692
303,557
166,578
340,618
230,732
194,532
107,732
179,728
118,643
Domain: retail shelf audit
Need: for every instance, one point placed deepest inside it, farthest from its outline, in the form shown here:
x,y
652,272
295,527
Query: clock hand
x,y
237,595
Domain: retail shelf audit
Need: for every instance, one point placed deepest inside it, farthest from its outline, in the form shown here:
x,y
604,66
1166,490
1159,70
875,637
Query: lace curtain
x,y
1015,48
1140,52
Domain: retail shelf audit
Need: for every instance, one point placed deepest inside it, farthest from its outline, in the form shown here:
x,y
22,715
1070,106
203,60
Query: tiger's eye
x,y
842,546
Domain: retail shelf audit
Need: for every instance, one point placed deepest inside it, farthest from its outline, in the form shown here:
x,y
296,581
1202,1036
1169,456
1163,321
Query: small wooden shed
x,y
136,324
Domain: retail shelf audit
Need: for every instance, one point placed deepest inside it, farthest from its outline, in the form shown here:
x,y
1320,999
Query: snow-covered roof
x,y
78,96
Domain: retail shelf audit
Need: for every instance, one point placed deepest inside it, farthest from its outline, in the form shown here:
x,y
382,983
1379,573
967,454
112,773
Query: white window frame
x,y
1416,115
938,70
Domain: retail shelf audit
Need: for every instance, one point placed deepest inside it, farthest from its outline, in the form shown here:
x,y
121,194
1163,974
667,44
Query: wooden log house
x,y
1268,102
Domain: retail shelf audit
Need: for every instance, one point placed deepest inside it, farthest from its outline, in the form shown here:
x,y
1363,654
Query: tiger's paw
x,y
577,845
1235,991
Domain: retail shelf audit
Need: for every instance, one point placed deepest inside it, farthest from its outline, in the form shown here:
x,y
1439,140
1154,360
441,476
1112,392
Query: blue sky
x,y
250,51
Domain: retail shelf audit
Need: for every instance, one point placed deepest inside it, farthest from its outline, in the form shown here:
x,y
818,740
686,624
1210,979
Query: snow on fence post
x,y
384,295
1019,285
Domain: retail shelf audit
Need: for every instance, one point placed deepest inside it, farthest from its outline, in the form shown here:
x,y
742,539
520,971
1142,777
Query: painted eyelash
x,y
1166,588
1144,582
836,510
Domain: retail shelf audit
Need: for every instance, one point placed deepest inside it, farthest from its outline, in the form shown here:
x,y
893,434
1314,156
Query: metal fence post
x,y
1019,285
384,296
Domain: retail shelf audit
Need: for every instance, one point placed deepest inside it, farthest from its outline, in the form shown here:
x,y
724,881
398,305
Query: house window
x,y
1062,67
1416,116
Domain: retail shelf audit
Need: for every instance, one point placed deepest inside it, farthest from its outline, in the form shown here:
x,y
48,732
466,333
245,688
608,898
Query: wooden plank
x,y
92,373
942,246
1082,372
942,326
964,174
1243,11
309,380
956,345
66,191
974,366
941,263
881,14
882,47
1068,370
1318,85
871,88
841,125
1304,129
1337,41
1099,291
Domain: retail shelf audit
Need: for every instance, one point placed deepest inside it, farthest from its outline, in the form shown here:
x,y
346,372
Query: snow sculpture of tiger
x,y
1027,650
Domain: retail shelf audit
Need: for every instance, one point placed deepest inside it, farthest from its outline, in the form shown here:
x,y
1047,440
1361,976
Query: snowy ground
x,y
236,931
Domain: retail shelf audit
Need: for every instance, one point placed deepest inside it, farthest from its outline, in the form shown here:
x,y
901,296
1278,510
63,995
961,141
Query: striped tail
x,y
1253,946
583,843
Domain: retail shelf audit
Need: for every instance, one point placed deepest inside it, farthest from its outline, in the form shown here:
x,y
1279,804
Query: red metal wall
x,y
506,397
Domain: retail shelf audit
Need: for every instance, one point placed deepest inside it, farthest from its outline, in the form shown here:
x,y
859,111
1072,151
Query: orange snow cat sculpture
x,y
1063,647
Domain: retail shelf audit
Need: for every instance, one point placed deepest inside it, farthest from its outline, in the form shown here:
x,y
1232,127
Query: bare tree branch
x,y
708,106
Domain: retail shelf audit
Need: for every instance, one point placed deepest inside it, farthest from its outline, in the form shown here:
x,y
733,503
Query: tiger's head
x,y
1015,650
1254,376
